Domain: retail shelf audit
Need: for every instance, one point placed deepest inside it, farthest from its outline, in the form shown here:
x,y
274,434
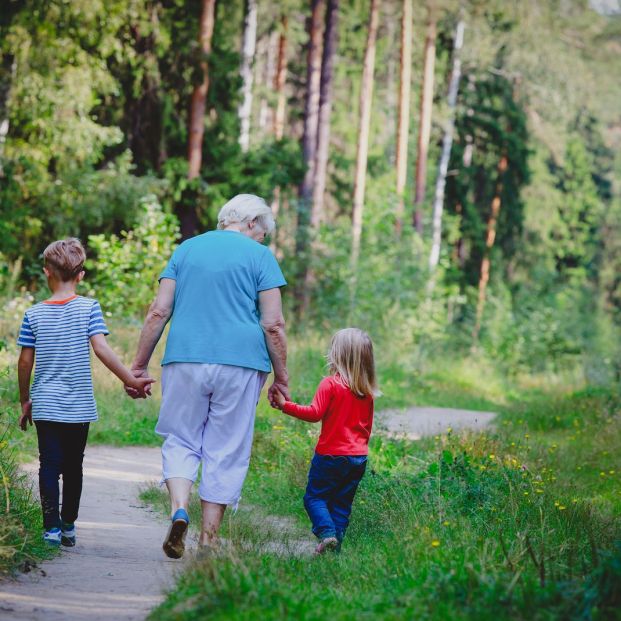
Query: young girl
x,y
344,405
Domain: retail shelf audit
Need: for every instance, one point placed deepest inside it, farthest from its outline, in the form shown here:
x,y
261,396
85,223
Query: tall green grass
x,y
518,523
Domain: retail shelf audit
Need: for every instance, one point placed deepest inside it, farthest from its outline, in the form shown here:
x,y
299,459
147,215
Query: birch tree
x,y
447,143
366,97
249,43
426,104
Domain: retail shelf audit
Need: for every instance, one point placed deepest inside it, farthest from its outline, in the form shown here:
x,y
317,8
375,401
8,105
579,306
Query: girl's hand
x,y
278,399
26,418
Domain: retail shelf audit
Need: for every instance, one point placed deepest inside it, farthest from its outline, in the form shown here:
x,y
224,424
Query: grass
x,y
521,523
21,544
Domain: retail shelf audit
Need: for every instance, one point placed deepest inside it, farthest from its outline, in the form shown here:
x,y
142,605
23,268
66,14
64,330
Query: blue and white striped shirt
x,y
60,332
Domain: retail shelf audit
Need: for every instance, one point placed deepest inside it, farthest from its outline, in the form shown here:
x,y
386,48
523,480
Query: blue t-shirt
x,y
60,332
216,311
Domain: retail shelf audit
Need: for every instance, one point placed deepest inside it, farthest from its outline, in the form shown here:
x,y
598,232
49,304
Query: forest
x,y
450,165
445,174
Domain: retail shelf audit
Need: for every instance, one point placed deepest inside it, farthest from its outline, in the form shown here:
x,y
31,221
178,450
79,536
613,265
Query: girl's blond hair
x,y
351,356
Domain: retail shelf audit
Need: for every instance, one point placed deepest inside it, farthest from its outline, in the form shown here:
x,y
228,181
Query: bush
x,y
126,267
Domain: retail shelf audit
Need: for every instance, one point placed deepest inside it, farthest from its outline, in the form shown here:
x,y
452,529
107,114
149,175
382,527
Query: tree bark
x,y
188,216
403,123
490,238
325,111
279,86
249,43
459,255
447,144
309,148
311,109
280,78
366,97
9,69
426,105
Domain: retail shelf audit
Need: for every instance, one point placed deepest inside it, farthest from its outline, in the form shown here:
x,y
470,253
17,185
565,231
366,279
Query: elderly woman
x,y
221,293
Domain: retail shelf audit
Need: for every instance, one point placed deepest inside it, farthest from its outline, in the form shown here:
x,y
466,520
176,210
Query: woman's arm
x,y
273,324
157,317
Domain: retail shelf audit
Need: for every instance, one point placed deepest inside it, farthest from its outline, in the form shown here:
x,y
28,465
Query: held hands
x,y
140,387
278,400
280,387
26,417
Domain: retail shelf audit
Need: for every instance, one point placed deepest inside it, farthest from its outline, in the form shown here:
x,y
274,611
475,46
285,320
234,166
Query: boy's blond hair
x,y
351,356
65,258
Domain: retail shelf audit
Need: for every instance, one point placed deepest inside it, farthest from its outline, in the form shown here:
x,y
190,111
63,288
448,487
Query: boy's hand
x,y
278,399
26,418
141,387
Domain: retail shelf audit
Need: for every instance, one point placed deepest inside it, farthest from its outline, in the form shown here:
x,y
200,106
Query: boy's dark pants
x,y
332,485
61,451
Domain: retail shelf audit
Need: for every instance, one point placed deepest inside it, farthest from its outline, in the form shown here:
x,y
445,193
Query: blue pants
x,y
61,451
332,485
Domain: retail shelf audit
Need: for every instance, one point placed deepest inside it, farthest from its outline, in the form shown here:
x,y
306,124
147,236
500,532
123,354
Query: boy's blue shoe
x,y
67,534
174,544
52,537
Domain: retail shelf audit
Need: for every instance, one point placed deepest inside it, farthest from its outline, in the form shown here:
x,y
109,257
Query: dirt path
x,y
414,423
117,571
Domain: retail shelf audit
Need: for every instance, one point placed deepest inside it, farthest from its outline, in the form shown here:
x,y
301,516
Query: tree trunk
x,y
188,216
309,148
325,111
366,97
249,43
403,124
459,255
279,80
279,86
424,132
490,238
311,109
9,69
447,144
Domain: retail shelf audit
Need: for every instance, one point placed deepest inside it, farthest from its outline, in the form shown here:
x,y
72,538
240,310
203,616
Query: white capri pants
x,y
207,415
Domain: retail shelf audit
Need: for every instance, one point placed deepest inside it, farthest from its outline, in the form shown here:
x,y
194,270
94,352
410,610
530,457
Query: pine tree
x,y
189,217
366,98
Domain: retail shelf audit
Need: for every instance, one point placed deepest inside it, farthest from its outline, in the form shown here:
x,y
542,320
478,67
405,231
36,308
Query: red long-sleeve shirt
x,y
346,419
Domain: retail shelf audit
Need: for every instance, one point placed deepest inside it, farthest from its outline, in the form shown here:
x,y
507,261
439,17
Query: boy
x,y
62,404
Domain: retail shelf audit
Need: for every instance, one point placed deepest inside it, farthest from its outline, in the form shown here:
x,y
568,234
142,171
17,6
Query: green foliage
x,y
517,524
96,98
126,267
21,544
580,213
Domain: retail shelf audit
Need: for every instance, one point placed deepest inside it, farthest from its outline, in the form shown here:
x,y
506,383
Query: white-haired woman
x,y
221,293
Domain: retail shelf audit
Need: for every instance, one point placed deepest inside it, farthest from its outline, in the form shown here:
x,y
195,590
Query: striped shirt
x,y
60,332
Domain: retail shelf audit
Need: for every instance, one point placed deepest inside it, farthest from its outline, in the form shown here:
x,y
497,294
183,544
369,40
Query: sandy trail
x,y
117,569
414,423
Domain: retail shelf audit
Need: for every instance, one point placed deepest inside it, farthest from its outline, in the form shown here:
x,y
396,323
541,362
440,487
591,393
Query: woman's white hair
x,y
245,208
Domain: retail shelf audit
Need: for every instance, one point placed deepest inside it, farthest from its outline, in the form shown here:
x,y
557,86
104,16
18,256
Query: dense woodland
x,y
444,173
